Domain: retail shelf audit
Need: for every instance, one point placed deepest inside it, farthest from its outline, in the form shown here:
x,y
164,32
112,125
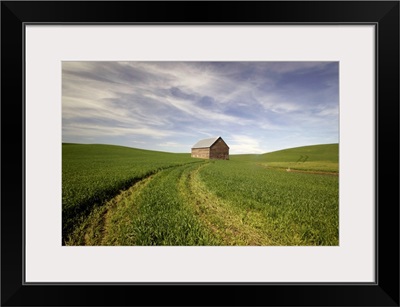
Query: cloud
x,y
165,104
240,144
104,130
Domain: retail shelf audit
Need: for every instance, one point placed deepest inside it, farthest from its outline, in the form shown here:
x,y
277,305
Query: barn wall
x,y
203,153
219,151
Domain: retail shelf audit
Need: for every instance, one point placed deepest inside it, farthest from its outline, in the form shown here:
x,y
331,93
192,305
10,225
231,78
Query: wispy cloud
x,y
257,106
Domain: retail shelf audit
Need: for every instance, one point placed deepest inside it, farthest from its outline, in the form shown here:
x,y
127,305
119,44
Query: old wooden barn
x,y
213,148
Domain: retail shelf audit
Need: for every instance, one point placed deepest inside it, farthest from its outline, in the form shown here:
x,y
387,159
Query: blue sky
x,y
256,107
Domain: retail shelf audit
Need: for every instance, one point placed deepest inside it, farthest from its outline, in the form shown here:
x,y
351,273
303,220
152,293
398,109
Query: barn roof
x,y
205,143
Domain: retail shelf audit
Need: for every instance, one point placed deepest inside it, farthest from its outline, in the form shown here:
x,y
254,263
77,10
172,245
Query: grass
x,y
116,195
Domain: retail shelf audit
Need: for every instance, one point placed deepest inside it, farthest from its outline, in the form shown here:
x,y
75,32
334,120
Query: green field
x,y
113,195
316,158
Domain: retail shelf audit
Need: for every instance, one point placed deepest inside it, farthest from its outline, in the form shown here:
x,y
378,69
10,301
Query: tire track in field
x,y
125,201
125,208
164,217
99,222
95,229
226,222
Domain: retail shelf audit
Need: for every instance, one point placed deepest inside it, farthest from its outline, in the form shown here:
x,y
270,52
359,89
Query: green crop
x,y
290,208
93,174
116,195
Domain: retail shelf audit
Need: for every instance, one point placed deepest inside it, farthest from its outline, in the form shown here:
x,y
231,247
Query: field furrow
x,y
156,215
98,228
228,224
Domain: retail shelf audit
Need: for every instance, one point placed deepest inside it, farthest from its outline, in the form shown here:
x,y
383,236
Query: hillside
x,y
317,158
326,152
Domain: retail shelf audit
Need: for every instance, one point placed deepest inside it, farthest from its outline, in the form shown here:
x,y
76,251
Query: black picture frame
x,y
383,14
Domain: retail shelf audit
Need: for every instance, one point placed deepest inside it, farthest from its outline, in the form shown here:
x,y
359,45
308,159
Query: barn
x,y
213,148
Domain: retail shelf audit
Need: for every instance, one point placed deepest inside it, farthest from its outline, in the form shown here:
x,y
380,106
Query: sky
x,y
256,107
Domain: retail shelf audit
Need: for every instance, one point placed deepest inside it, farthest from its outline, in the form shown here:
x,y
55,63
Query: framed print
x,y
241,146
